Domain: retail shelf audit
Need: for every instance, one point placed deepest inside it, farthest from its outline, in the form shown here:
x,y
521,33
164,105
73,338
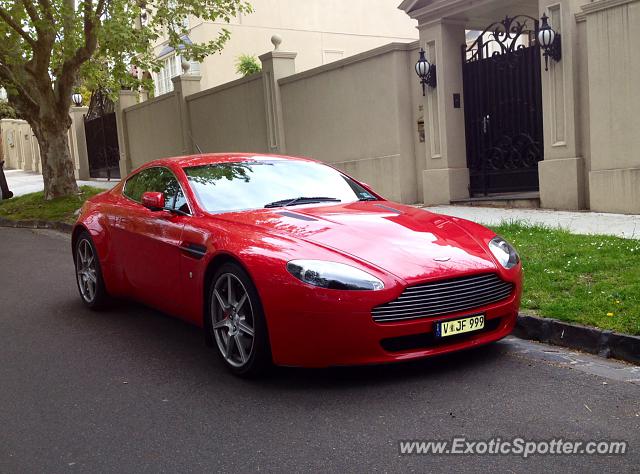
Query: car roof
x,y
215,158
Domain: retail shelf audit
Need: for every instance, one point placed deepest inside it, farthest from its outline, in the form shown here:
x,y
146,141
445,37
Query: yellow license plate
x,y
460,326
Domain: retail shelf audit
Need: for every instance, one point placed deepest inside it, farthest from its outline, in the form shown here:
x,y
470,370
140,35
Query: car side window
x,y
157,179
146,180
173,195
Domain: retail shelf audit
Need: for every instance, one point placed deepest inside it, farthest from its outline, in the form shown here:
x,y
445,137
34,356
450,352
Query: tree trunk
x,y
57,164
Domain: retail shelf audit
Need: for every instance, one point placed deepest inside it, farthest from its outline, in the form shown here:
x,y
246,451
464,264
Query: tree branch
x,y
32,12
47,9
9,78
9,20
100,8
65,80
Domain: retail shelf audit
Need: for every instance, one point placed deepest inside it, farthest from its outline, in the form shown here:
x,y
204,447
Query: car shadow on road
x,y
150,333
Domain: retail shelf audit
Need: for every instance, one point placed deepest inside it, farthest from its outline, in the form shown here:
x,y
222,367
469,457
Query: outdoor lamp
x,y
426,72
549,41
76,97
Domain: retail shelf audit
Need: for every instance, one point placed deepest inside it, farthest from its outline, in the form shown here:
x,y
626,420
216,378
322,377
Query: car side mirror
x,y
153,201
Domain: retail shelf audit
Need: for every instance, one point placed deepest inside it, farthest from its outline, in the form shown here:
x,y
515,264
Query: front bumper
x,y
344,336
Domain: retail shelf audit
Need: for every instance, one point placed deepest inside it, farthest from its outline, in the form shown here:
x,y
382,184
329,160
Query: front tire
x,y
88,273
236,322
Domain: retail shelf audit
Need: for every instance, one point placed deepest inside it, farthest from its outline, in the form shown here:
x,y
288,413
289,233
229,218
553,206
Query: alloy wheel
x,y
232,320
86,270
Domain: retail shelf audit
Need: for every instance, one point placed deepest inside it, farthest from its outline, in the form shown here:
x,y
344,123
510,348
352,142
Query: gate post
x,y
78,142
562,172
184,86
446,177
276,65
125,99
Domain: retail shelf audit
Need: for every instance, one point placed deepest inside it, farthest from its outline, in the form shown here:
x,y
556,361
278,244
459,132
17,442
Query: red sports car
x,y
289,261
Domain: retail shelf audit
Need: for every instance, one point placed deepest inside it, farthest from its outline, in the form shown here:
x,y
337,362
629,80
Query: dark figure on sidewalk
x,y
4,188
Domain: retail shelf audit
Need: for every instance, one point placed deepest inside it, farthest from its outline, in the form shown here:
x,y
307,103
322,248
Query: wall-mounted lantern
x,y
550,42
76,97
426,72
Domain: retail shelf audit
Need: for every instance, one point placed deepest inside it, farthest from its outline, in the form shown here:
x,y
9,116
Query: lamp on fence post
x,y
76,97
550,42
426,72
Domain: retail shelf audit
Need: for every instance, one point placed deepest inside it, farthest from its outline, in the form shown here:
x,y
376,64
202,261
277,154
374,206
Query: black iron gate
x,y
102,137
503,107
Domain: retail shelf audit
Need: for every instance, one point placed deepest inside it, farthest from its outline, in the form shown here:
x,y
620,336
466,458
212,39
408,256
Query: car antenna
x,y
194,142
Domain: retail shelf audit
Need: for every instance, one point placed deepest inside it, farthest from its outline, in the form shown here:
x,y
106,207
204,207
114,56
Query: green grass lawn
x,y
34,207
591,280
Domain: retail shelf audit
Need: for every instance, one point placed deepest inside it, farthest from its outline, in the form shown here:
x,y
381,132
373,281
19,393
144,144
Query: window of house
x,y
172,67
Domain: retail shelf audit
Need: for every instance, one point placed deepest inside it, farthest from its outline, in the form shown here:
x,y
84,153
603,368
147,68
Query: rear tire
x,y
89,274
236,322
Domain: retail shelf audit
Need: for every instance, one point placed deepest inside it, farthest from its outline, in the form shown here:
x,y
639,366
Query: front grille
x,y
444,297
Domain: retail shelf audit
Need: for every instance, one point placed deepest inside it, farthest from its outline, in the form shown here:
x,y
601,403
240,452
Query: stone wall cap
x,y
278,54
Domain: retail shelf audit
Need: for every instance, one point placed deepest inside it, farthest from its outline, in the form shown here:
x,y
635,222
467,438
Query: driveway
x,y
131,390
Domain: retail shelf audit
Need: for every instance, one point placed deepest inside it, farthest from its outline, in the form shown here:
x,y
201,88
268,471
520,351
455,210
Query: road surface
x,y
131,390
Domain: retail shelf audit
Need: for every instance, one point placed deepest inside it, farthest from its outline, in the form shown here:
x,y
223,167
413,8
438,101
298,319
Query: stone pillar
x,y
276,65
562,175
184,86
125,99
613,95
446,176
78,142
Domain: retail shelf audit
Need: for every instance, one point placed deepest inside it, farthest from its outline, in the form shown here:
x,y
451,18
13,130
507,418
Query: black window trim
x,y
186,198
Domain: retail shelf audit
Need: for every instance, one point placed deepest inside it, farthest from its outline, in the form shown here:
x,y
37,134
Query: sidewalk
x,y
25,182
620,225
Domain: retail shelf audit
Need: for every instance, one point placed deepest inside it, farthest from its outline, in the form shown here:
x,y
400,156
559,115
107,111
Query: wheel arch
x,y
77,230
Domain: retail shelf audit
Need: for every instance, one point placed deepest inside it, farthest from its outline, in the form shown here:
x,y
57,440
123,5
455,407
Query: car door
x,y
149,241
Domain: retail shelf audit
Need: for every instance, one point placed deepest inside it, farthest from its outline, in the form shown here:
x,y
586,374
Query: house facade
x,y
508,122
320,31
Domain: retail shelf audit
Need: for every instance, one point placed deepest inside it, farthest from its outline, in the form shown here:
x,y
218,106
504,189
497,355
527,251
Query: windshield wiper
x,y
300,200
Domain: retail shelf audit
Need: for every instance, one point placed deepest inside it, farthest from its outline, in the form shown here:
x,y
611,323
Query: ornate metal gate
x,y
503,107
102,137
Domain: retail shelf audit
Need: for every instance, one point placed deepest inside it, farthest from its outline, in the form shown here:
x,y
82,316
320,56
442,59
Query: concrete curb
x,y
575,336
36,224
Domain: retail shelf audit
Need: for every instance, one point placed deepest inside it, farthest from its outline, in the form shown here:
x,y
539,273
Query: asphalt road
x,y
131,390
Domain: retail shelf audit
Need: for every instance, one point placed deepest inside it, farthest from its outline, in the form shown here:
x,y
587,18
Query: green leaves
x,y
101,41
247,64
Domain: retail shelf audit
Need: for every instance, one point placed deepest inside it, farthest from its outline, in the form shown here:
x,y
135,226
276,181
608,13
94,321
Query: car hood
x,y
411,243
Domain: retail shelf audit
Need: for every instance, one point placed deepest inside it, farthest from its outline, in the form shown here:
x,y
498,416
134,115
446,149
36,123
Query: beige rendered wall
x,y
562,172
318,30
230,117
21,150
11,150
357,114
613,43
154,129
19,146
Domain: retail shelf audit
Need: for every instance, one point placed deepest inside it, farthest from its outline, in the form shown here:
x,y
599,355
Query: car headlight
x,y
333,275
504,252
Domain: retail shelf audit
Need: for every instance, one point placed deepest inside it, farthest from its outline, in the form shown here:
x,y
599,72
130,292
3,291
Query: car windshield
x,y
227,187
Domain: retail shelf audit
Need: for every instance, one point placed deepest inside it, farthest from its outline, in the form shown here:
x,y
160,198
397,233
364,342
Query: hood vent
x,y
297,216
